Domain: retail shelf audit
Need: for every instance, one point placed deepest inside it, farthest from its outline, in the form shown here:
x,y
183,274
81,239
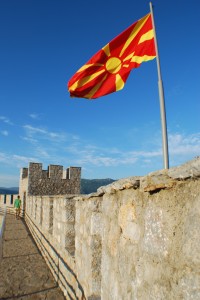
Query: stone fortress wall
x,y
53,181
137,238
36,181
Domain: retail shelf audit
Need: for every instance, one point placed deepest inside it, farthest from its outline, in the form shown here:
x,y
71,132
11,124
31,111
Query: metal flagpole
x,y
162,100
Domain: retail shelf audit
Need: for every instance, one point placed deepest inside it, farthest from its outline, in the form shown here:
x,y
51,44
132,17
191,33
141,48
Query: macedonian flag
x,y
107,71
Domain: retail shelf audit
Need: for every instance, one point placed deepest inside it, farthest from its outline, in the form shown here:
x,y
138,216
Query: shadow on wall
x,y
59,267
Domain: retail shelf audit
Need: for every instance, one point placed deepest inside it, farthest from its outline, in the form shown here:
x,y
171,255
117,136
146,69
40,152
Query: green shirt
x,y
17,203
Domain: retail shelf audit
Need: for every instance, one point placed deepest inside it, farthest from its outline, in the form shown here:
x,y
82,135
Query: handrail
x,y
3,211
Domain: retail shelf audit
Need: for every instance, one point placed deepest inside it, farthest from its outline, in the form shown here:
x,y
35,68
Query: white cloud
x,y
4,132
181,148
181,144
42,153
51,147
16,160
5,120
146,154
97,160
33,130
43,133
34,116
19,158
29,139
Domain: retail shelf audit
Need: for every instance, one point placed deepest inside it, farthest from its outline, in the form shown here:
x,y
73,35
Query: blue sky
x,y
44,42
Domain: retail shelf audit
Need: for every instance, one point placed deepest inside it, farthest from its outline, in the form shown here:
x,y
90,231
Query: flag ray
x,y
106,49
85,80
95,88
133,34
83,68
146,36
119,83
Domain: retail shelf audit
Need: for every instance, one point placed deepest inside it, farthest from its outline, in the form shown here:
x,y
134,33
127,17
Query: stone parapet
x,y
88,243
135,239
48,220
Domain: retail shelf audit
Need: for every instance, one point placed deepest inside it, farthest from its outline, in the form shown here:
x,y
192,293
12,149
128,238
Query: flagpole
x,y
162,100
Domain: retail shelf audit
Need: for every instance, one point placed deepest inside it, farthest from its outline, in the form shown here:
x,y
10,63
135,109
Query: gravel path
x,y
23,271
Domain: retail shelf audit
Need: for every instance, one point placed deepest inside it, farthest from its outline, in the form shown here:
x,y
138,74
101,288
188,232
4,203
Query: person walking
x,y
17,205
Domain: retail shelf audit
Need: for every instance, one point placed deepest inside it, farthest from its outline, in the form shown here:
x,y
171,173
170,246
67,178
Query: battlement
x,y
122,241
53,181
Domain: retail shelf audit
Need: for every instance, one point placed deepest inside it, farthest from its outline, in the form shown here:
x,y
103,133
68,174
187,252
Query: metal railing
x,y
2,226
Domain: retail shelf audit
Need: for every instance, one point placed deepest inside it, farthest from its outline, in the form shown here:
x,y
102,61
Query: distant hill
x,y
9,191
88,186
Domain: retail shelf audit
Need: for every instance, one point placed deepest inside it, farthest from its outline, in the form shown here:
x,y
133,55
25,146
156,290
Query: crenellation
x,y
74,173
35,169
55,172
24,173
53,181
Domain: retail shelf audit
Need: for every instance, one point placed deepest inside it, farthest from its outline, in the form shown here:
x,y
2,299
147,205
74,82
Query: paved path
x,y
23,271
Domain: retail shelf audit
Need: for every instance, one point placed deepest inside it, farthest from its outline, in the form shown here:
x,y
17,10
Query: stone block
x,y
96,223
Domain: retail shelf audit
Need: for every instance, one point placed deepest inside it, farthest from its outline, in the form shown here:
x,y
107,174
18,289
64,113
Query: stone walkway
x,y
23,271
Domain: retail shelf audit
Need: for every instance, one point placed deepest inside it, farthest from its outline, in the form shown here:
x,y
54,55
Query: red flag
x,y
107,71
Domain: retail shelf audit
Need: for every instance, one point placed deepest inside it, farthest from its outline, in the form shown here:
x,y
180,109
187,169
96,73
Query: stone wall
x,y
135,239
54,181
8,202
88,243
51,223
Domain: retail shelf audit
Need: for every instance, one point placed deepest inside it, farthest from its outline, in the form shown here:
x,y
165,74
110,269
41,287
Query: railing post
x,y
2,225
